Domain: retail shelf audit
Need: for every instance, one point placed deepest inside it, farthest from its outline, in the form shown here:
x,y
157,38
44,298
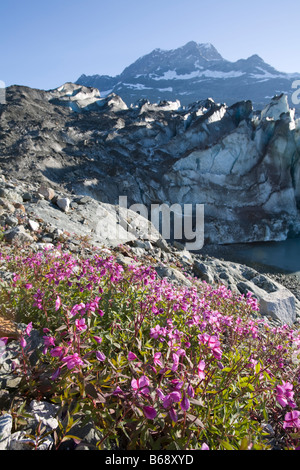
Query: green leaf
x,y
70,436
194,401
226,445
244,444
265,414
194,420
257,368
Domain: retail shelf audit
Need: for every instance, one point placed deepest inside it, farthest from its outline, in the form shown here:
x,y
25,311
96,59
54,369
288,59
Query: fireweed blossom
x,y
131,356
201,367
78,308
73,361
100,356
171,398
80,324
98,339
172,337
149,412
58,351
185,403
156,359
204,446
292,419
285,395
48,341
175,365
213,343
28,329
141,385
173,415
57,303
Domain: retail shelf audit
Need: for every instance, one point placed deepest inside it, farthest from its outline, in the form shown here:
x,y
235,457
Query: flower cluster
x,y
157,362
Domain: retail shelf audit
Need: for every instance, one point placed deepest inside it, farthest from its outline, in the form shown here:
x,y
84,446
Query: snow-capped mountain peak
x,y
194,72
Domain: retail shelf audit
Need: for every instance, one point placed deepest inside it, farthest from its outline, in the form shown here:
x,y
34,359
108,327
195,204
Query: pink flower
x,y
173,397
149,412
217,353
173,415
204,446
167,401
98,339
57,303
22,342
77,308
80,324
157,331
213,343
291,419
175,358
58,351
190,391
100,356
56,374
177,384
185,403
73,361
49,341
201,367
141,385
131,356
28,328
285,394
160,393
156,359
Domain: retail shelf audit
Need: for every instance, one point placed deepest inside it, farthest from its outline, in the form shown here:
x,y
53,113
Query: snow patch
x,y
267,75
172,75
137,86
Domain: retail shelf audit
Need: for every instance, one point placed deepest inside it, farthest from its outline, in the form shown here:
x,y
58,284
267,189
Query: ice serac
x,y
247,178
80,98
242,164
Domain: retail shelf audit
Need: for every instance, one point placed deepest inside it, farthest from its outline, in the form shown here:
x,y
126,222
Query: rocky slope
x,y
194,72
242,165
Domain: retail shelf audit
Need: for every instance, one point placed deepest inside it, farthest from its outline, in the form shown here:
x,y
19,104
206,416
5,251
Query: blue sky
x,y
44,44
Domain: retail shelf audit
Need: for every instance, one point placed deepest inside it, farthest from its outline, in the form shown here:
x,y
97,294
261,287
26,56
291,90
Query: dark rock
x,y
17,235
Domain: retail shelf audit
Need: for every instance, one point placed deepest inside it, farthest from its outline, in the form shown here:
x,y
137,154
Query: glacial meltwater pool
x,y
283,255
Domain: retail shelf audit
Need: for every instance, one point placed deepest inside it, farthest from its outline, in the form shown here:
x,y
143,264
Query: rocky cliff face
x,y
242,165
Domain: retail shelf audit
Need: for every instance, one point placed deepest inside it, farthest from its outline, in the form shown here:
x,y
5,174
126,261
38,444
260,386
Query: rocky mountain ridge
x,y
195,72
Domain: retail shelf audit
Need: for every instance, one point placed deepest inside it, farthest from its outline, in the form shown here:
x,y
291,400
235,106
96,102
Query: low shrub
x,y
152,364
